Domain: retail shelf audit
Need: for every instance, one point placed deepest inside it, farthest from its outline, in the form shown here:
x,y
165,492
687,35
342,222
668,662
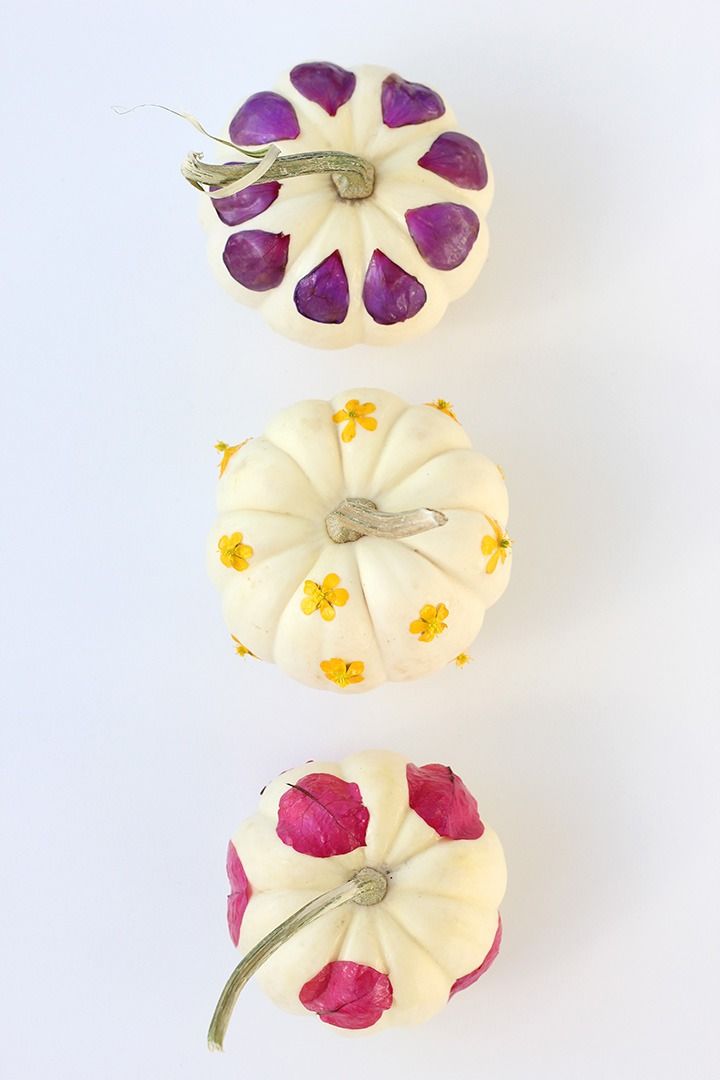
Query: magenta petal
x,y
264,118
441,799
328,85
240,892
390,294
257,259
323,294
348,995
406,103
457,158
467,980
246,204
322,815
444,233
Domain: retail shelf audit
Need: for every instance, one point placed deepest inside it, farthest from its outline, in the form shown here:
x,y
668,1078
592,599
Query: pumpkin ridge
x,y
290,601
391,916
445,571
302,469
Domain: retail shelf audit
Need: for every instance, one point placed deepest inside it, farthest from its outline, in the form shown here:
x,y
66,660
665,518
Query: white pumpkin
x,y
373,247
366,892
359,540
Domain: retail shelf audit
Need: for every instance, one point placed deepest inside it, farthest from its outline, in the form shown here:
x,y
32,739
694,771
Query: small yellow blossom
x,y
430,623
228,452
444,406
341,672
496,546
233,553
242,650
355,413
462,659
324,598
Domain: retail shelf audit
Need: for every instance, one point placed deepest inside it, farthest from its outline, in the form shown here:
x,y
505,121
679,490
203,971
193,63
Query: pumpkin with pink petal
x,y
363,893
368,223
359,540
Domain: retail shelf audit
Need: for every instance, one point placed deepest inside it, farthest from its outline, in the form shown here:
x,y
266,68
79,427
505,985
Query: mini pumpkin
x,y
359,540
369,222
365,892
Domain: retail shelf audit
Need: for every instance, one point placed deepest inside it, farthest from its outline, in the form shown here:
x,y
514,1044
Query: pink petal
x,y
444,233
348,995
322,815
323,294
467,980
257,259
240,892
441,799
406,102
264,118
328,85
246,204
457,158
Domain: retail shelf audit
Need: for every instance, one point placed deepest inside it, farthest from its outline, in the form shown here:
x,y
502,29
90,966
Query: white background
x,y
135,739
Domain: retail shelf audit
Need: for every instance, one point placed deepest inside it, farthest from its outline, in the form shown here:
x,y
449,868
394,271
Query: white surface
x,y
582,360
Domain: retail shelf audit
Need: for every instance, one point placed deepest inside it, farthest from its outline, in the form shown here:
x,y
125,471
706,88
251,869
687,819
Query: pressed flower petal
x,y
330,581
348,995
441,799
338,417
308,605
328,85
246,204
390,294
240,892
257,259
457,158
322,815
368,422
327,610
348,433
417,626
488,545
428,612
368,407
444,233
340,597
467,980
405,103
442,611
264,118
492,562
323,295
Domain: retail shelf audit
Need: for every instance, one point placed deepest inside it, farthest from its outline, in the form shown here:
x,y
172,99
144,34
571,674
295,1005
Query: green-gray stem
x,y
367,887
355,518
353,177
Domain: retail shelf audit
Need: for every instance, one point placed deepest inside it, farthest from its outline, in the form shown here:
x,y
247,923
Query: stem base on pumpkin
x,y
355,518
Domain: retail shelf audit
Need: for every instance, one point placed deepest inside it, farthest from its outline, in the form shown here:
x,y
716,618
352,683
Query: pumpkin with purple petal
x,y
359,540
369,893
370,221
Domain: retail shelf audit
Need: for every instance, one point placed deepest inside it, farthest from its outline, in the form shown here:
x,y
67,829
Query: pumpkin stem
x,y
366,887
353,177
355,518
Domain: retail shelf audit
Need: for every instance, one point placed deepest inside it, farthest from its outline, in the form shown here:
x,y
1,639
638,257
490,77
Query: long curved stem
x,y
355,518
367,887
353,177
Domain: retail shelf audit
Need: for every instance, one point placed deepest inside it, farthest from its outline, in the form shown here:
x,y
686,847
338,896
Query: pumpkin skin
x,y
437,927
275,494
267,243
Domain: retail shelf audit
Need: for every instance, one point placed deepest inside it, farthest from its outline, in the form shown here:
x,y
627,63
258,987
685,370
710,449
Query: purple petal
x,y
323,294
246,204
240,892
257,259
467,980
444,233
441,799
348,995
406,103
322,815
457,158
390,294
328,85
264,118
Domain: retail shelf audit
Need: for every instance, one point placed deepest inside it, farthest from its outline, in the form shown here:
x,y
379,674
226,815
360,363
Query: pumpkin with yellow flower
x,y
359,540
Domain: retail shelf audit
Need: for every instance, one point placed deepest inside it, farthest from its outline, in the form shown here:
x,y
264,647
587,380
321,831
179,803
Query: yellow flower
x,y
227,452
242,650
233,553
341,672
324,598
355,413
462,659
496,546
430,623
443,406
